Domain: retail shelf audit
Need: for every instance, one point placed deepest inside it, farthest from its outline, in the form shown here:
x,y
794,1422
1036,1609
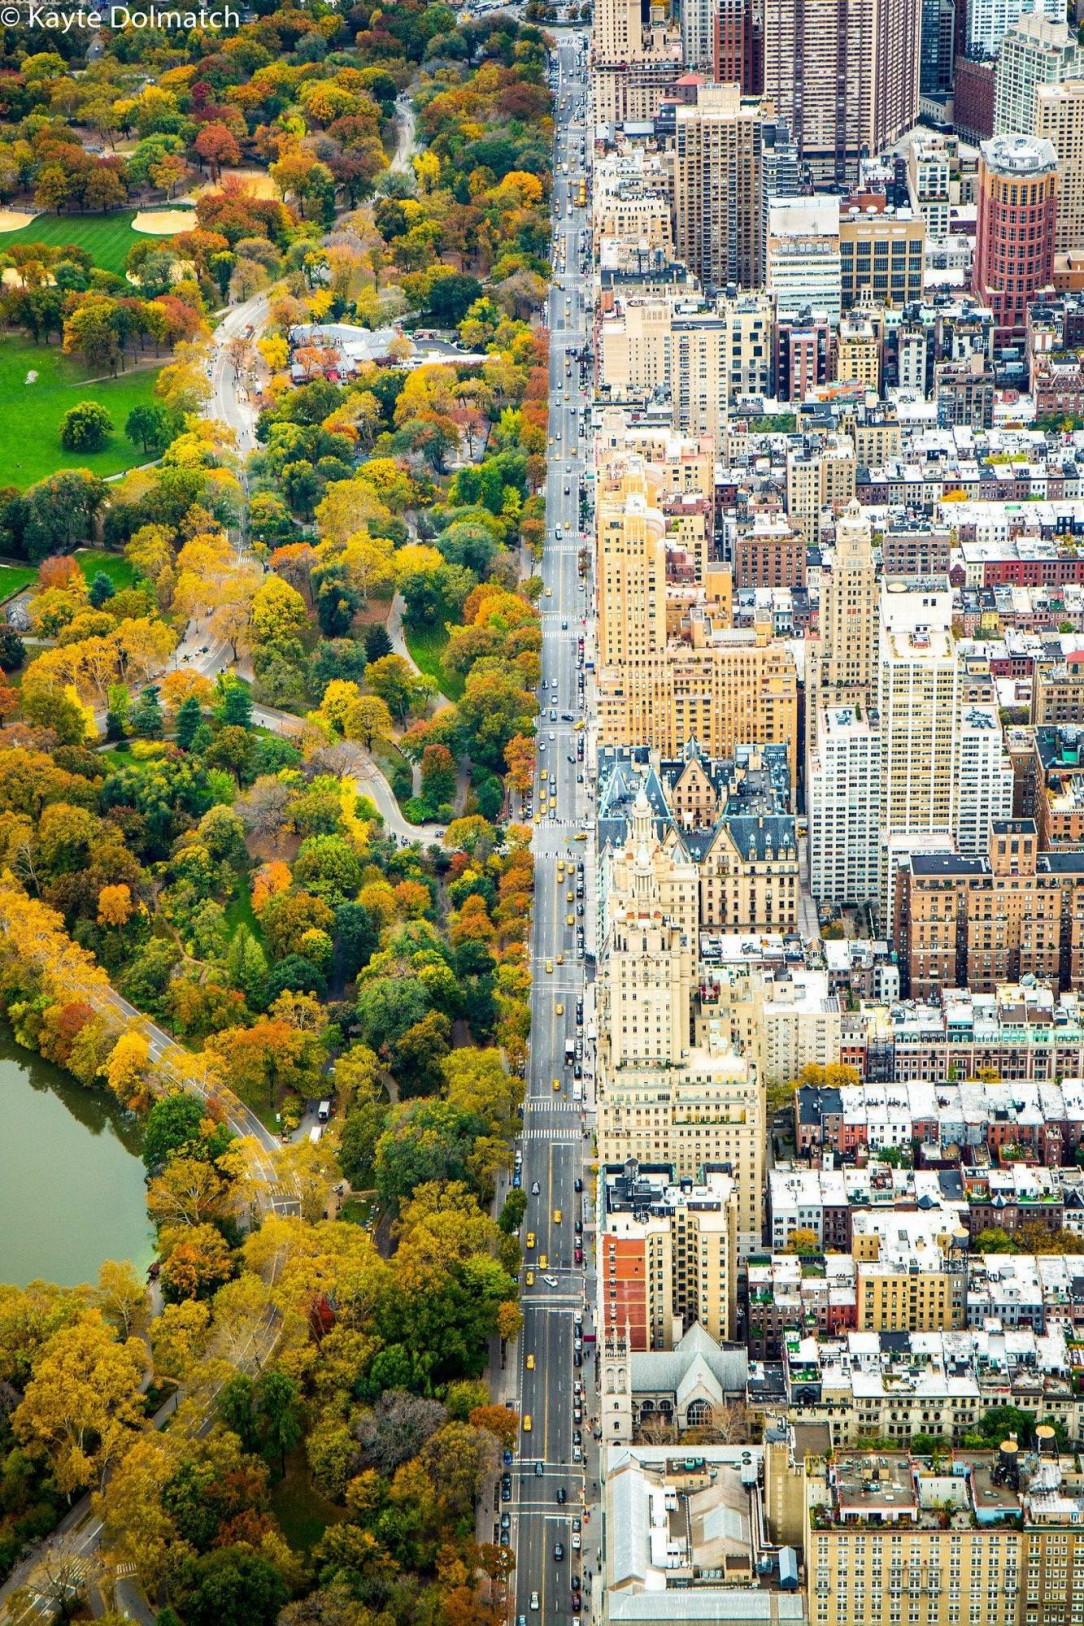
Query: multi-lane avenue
x,y
552,1475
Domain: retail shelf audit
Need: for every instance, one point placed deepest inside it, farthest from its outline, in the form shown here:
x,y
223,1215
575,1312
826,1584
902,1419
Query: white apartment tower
x,y
983,778
1034,52
988,21
843,783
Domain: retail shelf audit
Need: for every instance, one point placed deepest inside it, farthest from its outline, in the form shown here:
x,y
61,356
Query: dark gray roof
x,y
755,837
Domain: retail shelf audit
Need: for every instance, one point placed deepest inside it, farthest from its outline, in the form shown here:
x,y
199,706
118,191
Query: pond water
x,y
71,1178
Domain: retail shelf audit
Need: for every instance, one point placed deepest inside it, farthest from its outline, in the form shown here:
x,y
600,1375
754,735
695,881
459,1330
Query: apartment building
x,y
843,789
911,1274
820,477
802,262
717,182
1059,119
1014,242
844,78
986,1537
988,21
842,661
1035,51
667,1252
982,921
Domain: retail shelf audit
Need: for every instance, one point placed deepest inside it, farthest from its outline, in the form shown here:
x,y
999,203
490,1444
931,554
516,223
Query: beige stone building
x,y
669,1256
911,1275
817,479
968,1539
661,1100
718,685
723,688
858,351
1059,119
842,661
710,1109
882,256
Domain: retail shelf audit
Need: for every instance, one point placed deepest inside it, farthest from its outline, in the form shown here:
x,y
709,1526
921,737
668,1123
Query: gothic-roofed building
x,y
730,817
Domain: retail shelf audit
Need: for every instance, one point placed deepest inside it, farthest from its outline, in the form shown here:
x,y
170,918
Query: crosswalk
x,y
554,1140
543,1103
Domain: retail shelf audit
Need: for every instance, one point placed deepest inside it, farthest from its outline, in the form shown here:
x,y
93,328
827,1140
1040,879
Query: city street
x,y
556,1145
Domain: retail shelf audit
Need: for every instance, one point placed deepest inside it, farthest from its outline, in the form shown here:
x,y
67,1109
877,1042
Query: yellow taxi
x,y
557,1216
581,835
529,1278
570,920
560,959
542,1261
559,1008
570,897
530,1239
557,1083
527,1423
530,1363
561,869
578,725
549,592
549,967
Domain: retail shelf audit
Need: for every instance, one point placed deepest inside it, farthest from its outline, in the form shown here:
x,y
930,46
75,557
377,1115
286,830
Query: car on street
x,y
557,1216
562,1495
534,1600
558,1551
528,1422
530,1363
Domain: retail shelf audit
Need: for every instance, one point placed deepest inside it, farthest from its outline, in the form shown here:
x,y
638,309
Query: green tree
x,y
147,720
101,590
189,719
278,1410
233,1586
150,426
85,427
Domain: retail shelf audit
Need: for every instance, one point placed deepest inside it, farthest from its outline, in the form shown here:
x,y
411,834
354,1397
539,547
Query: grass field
x,y
13,578
107,237
30,414
301,1511
91,561
427,646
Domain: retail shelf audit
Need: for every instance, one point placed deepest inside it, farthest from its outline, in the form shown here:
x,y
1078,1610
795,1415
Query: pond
x,y
71,1178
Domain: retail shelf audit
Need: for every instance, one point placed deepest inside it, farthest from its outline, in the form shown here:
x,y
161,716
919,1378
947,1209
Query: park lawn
x,y
106,237
96,561
13,578
239,911
31,414
427,646
303,1514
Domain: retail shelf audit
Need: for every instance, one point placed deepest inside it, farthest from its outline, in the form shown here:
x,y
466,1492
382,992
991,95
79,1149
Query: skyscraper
x,y
842,663
1014,243
843,75
717,185
938,46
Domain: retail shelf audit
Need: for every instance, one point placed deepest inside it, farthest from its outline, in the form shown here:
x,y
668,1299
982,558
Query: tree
x,y
147,720
394,681
278,1409
803,1242
215,145
178,1123
121,1297
83,1405
101,590
396,1428
377,642
233,1586
85,427
150,426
